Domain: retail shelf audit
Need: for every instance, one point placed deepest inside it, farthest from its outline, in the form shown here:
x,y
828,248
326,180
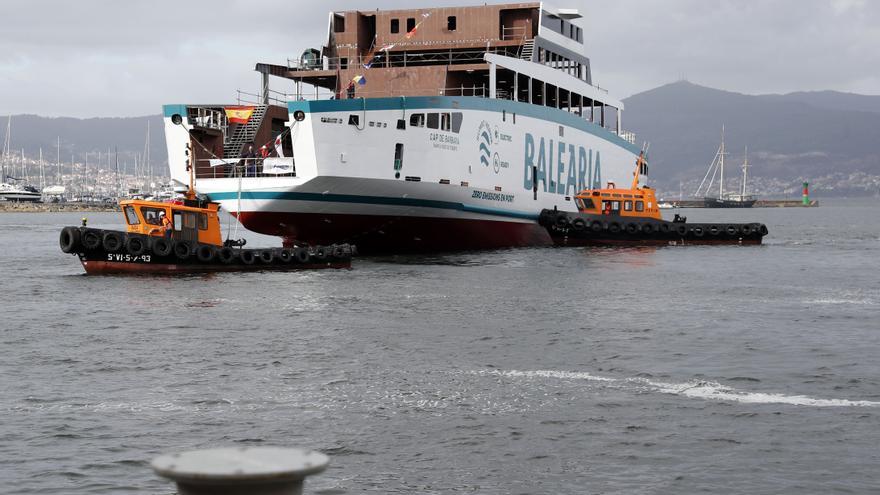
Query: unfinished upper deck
x,y
439,51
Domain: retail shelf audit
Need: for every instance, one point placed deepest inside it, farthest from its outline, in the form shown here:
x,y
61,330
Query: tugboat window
x,y
417,120
151,215
130,216
640,206
628,205
433,121
203,221
395,25
587,203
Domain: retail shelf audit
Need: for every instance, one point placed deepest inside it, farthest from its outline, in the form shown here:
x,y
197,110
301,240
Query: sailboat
x,y
13,191
722,200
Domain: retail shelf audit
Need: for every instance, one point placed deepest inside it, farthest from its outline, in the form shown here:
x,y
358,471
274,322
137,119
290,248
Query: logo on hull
x,y
487,138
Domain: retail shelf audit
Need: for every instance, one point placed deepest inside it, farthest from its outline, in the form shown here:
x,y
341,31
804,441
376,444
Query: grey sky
x,y
90,58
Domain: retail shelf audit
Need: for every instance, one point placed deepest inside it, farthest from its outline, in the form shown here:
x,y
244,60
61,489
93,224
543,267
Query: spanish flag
x,y
239,115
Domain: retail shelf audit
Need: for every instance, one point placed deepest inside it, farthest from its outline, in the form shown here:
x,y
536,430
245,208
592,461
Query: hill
x,y
789,136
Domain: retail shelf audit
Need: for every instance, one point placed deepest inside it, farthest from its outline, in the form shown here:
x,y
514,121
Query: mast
x,y
721,152
118,192
58,162
745,173
5,153
42,178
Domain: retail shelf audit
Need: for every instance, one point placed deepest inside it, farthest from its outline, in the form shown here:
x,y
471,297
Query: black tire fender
x,y
614,227
161,246
596,226
226,255
698,231
182,249
267,256
285,256
579,224
247,256
648,228
91,239
206,253
69,239
301,255
681,230
112,241
320,253
135,245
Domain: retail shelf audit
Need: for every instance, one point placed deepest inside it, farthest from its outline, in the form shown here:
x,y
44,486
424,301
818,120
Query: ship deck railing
x,y
405,58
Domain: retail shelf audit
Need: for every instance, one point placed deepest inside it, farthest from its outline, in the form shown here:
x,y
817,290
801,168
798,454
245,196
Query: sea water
x,y
720,369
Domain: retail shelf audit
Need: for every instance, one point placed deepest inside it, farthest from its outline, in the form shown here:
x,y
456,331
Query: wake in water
x,y
694,389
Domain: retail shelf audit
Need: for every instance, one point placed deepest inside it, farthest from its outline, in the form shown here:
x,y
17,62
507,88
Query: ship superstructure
x,y
414,130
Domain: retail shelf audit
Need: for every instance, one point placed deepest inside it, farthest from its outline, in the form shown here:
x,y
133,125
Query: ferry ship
x,y
416,130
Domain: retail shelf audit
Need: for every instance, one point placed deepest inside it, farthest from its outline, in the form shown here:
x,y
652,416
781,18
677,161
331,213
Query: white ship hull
x,y
468,189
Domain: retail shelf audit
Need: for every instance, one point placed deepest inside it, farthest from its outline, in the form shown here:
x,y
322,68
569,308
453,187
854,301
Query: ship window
x,y
451,23
203,221
189,220
433,121
456,121
417,120
130,216
640,206
401,124
177,221
338,23
395,25
354,120
628,205
444,122
343,63
410,24
151,215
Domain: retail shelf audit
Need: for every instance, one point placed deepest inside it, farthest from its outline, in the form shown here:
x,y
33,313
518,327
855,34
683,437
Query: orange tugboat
x,y
613,216
182,236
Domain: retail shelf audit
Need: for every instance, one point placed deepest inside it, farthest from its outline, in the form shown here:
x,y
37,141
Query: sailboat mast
x,y
42,178
745,173
721,182
5,154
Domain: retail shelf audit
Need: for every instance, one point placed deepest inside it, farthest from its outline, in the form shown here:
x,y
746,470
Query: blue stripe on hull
x,y
371,200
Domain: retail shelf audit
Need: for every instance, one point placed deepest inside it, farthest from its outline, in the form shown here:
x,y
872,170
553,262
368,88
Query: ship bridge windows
x,y
395,26
338,23
417,120
410,24
640,206
451,23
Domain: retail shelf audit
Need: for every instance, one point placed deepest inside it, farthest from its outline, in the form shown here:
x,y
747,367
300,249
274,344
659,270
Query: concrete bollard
x,y
240,471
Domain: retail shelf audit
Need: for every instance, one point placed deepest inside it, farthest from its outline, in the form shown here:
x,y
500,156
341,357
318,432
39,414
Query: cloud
x,y
120,58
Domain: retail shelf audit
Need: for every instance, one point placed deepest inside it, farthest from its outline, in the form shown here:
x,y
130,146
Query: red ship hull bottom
x,y
379,234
